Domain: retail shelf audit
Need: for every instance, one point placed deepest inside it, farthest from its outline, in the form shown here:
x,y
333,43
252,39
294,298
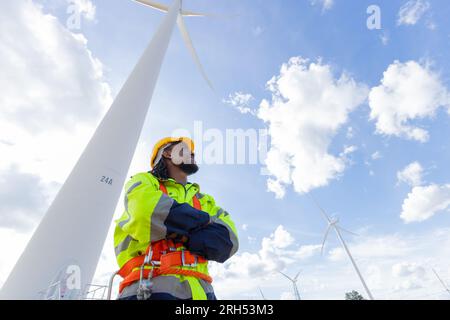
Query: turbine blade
x,y
193,14
325,215
325,238
345,230
154,5
262,294
164,8
441,281
296,276
285,275
188,41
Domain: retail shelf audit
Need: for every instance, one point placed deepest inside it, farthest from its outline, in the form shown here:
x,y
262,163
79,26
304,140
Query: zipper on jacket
x,y
184,188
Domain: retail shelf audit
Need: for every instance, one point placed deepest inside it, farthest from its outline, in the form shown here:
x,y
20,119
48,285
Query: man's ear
x,y
167,154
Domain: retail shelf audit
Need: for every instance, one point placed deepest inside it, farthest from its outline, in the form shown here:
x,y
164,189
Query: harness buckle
x,y
183,260
145,285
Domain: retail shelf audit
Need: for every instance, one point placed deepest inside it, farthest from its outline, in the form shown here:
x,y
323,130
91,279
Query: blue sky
x,y
242,48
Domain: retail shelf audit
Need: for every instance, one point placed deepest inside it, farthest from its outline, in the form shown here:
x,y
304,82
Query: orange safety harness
x,y
162,262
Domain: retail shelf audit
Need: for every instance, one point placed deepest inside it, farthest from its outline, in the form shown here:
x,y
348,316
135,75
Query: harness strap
x,y
195,201
135,275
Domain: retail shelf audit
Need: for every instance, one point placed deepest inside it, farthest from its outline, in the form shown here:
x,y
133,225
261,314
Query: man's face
x,y
180,154
182,157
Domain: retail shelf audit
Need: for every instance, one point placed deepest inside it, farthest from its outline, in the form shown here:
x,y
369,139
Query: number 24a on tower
x,y
106,180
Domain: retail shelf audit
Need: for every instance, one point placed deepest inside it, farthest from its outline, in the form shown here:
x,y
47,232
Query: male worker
x,y
169,230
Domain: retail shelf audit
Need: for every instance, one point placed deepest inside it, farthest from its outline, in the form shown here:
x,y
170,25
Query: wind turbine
x,y
184,33
441,281
294,284
60,259
333,223
262,294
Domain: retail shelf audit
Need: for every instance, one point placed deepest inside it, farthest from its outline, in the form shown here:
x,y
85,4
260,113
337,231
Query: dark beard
x,y
189,169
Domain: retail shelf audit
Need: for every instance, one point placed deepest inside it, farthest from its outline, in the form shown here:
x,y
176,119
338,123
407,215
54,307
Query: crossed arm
x,y
153,216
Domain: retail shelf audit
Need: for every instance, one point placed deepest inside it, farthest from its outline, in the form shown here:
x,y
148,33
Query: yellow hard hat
x,y
165,142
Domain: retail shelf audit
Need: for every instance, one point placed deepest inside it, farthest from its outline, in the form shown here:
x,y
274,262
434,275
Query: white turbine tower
x,y
333,223
294,284
63,252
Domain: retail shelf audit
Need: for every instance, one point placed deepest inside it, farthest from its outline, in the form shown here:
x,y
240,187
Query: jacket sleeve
x,y
218,241
150,215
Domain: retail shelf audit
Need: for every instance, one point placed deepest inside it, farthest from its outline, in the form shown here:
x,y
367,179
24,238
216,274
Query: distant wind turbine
x,y
442,282
262,294
334,224
294,284
60,259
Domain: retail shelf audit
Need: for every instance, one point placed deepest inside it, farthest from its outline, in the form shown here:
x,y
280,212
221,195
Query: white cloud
x,y
54,93
411,174
307,251
241,102
423,202
270,257
376,155
384,39
287,295
23,199
349,150
280,239
408,91
394,266
325,4
85,8
308,107
50,77
53,96
377,256
350,133
336,254
405,269
412,275
412,11
386,246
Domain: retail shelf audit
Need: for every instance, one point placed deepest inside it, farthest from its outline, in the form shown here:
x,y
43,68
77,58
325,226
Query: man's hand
x,y
178,238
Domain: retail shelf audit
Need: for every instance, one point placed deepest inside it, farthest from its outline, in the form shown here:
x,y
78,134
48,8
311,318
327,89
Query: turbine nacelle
x,y
184,32
334,220
333,223
289,278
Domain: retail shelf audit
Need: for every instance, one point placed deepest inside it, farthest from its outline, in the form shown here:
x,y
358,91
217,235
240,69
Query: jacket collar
x,y
175,182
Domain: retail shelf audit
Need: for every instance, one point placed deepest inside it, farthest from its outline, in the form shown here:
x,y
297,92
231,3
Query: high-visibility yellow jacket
x,y
150,215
